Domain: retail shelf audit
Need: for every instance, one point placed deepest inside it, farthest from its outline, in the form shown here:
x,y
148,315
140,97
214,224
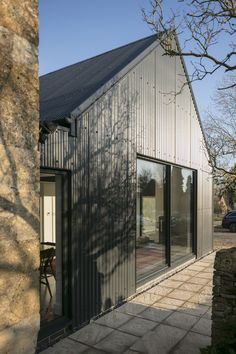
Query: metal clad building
x,y
135,164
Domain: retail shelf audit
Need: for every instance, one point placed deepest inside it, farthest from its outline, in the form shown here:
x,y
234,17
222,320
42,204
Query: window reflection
x,y
181,212
151,239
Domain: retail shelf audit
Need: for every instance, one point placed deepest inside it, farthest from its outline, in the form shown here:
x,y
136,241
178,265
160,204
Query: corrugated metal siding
x,y
165,104
178,134
139,114
102,160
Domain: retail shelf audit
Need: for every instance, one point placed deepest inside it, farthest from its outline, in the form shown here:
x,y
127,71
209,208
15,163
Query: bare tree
x,y
220,130
225,186
201,25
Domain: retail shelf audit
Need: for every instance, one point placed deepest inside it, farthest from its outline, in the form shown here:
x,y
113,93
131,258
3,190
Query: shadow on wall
x,y
104,205
19,246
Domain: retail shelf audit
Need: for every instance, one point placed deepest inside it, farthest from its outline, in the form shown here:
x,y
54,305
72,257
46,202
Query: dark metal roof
x,y
63,90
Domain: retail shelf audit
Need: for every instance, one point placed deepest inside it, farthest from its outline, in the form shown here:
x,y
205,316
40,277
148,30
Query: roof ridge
x,y
98,55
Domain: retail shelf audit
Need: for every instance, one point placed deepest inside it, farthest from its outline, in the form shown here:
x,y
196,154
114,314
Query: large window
x,y
165,203
151,239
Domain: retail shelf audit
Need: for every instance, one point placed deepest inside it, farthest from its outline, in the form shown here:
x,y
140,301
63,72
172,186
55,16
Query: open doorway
x,y
54,246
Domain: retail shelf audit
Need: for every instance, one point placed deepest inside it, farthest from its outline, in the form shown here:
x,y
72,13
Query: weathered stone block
x,y
22,257
224,300
19,168
216,279
19,286
20,338
19,177
225,260
21,17
19,125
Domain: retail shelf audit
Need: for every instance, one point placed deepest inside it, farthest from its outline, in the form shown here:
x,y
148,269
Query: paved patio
x,y
172,317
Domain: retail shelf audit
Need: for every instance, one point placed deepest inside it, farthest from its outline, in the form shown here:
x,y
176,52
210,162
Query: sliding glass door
x,y
165,209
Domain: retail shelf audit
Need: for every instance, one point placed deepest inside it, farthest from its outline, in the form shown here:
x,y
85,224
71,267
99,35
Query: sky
x,y
74,30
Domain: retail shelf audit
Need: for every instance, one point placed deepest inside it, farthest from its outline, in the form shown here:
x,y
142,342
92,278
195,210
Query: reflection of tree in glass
x,y
144,178
177,189
186,204
188,184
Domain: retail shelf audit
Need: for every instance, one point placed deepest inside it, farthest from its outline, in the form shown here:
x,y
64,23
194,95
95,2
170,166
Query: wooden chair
x,y
46,269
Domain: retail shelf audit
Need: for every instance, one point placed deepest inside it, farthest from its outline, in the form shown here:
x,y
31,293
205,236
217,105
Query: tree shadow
x,y
19,220
102,161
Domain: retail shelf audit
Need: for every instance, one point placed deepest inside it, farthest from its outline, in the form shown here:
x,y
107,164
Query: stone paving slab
x,y
170,283
191,287
117,342
181,277
204,275
198,280
161,340
159,290
138,326
92,351
198,268
91,334
181,294
192,308
188,272
202,299
131,308
173,317
170,303
68,346
114,319
156,314
203,326
192,343
181,320
146,298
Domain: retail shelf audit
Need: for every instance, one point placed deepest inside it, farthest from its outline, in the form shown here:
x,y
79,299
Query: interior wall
x,y
48,212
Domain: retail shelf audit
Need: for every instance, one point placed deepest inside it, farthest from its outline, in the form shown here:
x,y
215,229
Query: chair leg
x,y
48,285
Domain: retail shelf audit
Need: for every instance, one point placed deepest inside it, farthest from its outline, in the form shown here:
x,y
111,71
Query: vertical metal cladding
x,y
102,161
139,114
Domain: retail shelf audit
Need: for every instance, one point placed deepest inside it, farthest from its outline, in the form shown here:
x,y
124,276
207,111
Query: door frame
x,y
64,321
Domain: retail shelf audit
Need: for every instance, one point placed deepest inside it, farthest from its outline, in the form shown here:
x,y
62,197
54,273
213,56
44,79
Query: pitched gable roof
x,y
63,90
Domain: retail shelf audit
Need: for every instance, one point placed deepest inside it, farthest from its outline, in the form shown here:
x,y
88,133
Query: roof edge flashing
x,y
104,88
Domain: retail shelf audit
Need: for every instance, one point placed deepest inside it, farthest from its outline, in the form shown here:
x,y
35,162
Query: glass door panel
x,y
181,213
151,235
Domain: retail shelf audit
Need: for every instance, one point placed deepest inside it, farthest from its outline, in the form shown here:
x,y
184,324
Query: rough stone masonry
x,y
224,296
19,176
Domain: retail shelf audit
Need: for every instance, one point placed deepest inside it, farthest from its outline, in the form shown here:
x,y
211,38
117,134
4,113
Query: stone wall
x,y
224,295
19,176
